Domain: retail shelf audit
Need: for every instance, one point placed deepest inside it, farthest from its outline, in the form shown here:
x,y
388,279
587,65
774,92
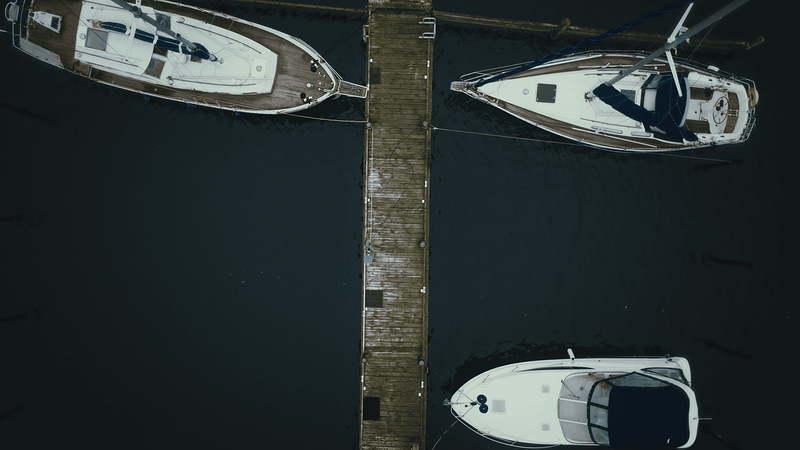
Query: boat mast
x,y
137,12
678,40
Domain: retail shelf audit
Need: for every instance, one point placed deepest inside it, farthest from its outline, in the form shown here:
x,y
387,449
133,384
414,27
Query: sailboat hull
x,y
255,69
557,97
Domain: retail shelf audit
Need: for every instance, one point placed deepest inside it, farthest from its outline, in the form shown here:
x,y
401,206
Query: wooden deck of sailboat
x,y
292,78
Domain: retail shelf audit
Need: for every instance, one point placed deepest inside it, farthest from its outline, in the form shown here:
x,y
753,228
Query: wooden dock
x,y
394,345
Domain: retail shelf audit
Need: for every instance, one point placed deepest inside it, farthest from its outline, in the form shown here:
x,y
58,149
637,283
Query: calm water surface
x,y
189,278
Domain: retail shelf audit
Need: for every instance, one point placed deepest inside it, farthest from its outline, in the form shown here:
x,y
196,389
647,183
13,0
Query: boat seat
x,y
703,94
698,126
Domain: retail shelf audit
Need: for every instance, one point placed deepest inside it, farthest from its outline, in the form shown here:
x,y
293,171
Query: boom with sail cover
x,y
174,45
191,46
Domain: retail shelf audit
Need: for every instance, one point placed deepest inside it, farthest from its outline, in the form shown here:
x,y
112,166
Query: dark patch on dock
x,y
372,408
374,298
374,75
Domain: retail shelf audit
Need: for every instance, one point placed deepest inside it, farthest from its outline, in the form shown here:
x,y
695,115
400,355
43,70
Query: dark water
x,y
176,278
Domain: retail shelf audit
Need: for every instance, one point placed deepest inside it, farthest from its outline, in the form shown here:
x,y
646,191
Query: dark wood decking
x,y
396,199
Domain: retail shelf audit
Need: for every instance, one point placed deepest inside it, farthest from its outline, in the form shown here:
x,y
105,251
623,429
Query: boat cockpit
x,y
630,410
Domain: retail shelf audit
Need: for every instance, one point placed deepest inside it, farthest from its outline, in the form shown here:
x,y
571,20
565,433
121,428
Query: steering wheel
x,y
720,112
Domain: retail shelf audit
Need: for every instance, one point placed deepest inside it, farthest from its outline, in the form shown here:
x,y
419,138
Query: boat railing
x,y
321,58
748,128
480,74
15,11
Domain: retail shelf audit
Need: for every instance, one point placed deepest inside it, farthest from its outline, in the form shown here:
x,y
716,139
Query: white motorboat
x,y
177,52
626,403
625,101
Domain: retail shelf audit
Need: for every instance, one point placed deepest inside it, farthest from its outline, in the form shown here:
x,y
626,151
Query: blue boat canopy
x,y
637,412
670,112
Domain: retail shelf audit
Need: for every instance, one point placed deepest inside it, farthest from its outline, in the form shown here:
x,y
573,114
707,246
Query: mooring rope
x,y
500,136
674,155
326,120
445,432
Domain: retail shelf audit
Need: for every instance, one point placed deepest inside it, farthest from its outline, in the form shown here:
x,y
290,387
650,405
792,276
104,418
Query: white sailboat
x,y
177,52
625,403
625,101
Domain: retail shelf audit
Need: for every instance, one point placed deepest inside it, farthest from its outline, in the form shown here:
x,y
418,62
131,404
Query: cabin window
x,y
546,93
675,374
629,94
96,39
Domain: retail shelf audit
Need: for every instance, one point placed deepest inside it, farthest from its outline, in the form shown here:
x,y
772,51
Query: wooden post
x,y
561,27
743,48
753,43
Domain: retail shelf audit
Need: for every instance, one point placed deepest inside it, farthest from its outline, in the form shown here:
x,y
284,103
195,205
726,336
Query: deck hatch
x,y
498,406
374,75
546,93
96,39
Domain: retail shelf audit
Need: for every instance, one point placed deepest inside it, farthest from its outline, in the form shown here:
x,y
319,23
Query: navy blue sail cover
x,y
163,41
670,107
647,418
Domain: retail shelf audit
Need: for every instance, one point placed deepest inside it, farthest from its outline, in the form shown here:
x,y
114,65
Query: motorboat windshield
x,y
635,411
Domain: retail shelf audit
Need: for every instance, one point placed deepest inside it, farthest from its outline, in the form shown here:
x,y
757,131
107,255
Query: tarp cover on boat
x,y
648,417
670,107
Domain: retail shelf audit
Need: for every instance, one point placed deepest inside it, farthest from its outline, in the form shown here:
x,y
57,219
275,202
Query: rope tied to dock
x,y
573,144
324,119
